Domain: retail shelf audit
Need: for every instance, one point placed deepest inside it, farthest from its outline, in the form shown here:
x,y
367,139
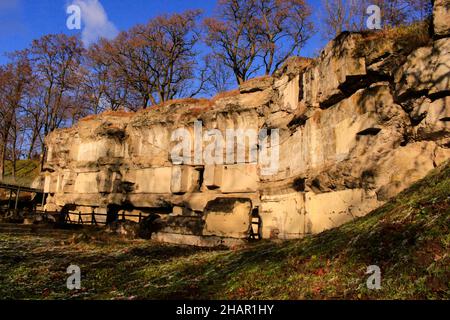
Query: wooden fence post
x,y
17,199
10,198
93,220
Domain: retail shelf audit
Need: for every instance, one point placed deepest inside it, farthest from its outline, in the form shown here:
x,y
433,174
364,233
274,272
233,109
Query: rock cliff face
x,y
341,134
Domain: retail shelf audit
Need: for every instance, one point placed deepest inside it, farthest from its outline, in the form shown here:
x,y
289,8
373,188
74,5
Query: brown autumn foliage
x,y
155,61
184,101
225,94
112,113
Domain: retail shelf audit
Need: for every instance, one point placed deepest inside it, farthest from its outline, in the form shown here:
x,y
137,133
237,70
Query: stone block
x,y
47,183
184,179
177,211
86,183
290,93
239,178
282,216
95,150
228,217
198,241
332,209
151,180
403,166
212,178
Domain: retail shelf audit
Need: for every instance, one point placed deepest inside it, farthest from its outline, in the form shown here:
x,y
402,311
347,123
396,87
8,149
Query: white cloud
x,y
95,22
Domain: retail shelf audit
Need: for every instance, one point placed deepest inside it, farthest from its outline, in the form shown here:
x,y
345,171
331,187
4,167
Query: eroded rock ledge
x,y
356,126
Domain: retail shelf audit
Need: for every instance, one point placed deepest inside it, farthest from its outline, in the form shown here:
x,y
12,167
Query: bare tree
x,y
103,85
351,15
14,79
173,39
233,36
400,12
218,77
30,117
249,34
285,26
56,60
157,60
342,15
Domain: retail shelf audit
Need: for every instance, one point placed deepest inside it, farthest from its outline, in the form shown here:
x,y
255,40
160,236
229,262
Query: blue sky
x,y
21,21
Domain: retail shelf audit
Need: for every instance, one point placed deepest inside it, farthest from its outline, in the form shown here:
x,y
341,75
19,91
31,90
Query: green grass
x,y
408,238
26,171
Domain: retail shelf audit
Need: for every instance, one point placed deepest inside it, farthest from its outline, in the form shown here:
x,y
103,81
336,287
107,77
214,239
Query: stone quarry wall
x,y
356,126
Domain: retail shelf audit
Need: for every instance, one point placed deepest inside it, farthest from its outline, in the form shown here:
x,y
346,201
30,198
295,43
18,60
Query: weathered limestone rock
x,y
150,180
405,165
441,74
328,210
415,75
256,84
283,216
85,183
426,70
354,127
344,131
213,176
441,18
436,122
290,94
184,179
228,217
239,178
293,66
338,68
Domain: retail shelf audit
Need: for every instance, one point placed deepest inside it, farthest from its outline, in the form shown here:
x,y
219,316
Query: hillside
x,y
26,171
408,238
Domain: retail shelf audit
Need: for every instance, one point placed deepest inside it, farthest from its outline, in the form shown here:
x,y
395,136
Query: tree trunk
x,y
14,153
32,144
3,148
2,162
44,152
240,80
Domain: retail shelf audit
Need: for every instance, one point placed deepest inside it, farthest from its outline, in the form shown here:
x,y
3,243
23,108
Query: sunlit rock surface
x,y
356,126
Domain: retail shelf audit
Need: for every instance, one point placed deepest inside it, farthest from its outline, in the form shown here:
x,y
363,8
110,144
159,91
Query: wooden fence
x,y
70,217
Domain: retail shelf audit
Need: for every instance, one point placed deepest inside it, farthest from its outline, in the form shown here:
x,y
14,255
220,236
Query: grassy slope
x,y
26,171
408,238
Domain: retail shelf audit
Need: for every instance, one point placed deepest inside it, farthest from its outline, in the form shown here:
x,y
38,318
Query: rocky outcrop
x,y
317,144
441,14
